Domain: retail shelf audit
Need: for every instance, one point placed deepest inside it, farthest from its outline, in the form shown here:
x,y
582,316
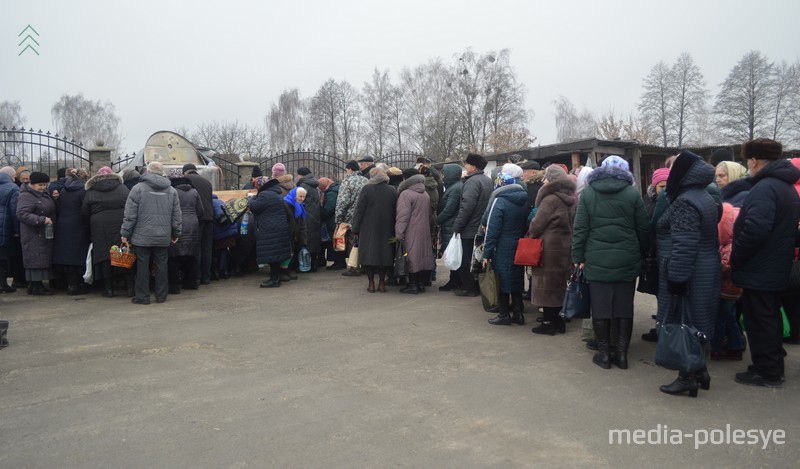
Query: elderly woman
x,y
412,226
9,226
104,207
298,229
182,255
72,231
553,225
36,212
271,229
611,235
506,225
373,222
688,254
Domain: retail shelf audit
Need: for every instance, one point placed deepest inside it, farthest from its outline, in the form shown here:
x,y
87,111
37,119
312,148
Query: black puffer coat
x,y
373,220
72,229
474,199
688,244
32,208
104,207
272,224
191,212
764,233
313,212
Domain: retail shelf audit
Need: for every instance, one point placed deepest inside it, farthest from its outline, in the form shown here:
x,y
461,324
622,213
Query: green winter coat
x,y
451,202
612,229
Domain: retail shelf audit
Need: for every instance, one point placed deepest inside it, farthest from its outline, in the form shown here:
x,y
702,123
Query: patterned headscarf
x,y
615,161
260,181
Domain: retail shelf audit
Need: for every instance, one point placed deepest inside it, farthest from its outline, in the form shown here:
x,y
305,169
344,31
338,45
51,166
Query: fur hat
x,y
723,154
352,165
660,175
37,177
617,162
278,170
407,173
394,171
476,160
9,171
762,149
303,171
515,158
530,164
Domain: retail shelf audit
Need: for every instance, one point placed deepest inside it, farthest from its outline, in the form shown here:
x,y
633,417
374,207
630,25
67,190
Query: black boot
x,y
602,331
517,309
3,334
39,289
685,382
624,329
703,379
413,284
274,281
4,286
424,280
108,288
551,324
502,318
74,285
129,284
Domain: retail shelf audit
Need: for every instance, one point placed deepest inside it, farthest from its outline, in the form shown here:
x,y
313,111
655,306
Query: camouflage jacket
x,y
348,195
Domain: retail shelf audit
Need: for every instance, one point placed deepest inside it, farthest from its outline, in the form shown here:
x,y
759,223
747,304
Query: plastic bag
x,y
452,255
88,276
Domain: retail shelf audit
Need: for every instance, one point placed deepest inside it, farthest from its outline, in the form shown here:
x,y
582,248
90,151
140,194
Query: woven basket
x,y
122,259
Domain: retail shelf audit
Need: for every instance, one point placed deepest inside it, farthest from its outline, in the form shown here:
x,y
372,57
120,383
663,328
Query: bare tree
x,y
654,104
689,95
349,118
378,111
610,126
504,107
85,120
288,122
572,125
11,114
397,127
638,129
325,109
785,91
744,104
231,138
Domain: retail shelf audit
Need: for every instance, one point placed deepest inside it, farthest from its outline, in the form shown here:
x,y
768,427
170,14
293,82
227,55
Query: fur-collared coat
x,y
412,225
104,207
553,224
32,208
374,220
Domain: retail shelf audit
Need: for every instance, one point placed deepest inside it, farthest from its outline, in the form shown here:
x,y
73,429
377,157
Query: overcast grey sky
x,y
169,64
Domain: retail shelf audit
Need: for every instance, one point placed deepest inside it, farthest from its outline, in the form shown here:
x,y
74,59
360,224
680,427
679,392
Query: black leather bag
x,y
648,279
400,260
680,345
576,300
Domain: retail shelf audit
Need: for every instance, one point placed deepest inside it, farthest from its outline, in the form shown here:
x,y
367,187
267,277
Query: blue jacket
x,y
764,233
9,225
505,227
272,224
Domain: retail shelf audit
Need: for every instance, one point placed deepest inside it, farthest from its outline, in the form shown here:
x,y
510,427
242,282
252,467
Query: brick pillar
x,y
99,156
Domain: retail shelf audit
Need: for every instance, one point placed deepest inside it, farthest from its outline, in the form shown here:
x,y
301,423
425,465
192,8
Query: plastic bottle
x,y
244,226
48,231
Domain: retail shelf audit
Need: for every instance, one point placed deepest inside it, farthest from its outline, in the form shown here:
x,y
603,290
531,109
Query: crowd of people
x,y
720,240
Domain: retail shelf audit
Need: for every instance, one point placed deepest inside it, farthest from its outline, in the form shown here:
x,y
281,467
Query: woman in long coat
x,y
271,229
298,230
35,210
72,232
373,222
182,254
104,207
553,225
9,226
413,228
611,237
313,214
688,256
505,226
450,205
328,215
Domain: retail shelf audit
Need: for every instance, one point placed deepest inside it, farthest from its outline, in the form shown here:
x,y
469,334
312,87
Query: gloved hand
x,y
677,288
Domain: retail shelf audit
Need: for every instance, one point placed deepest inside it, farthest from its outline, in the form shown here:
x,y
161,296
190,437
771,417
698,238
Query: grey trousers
x,y
143,256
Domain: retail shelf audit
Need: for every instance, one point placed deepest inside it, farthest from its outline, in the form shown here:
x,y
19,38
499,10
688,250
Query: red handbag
x,y
529,252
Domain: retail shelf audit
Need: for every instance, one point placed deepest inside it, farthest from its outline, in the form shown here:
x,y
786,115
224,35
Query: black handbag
x,y
400,260
576,299
648,279
794,277
680,345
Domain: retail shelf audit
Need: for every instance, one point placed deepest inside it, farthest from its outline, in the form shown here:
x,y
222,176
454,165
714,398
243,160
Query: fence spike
x,y
40,130
48,133
4,128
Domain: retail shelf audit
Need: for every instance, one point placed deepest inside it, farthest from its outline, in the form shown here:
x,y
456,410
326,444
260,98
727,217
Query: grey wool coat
x,y
32,208
373,221
413,223
104,206
553,224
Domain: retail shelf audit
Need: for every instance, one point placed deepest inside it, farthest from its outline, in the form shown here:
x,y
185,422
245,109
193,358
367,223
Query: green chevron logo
x,y
28,40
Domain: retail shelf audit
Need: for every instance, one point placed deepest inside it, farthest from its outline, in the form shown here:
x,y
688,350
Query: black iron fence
x,y
320,163
41,151
122,161
234,175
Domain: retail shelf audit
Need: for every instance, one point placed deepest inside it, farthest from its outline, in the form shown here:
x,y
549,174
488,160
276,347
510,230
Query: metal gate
x,y
41,151
321,164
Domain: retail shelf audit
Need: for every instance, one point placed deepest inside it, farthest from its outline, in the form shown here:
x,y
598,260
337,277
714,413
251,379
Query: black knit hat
x,y
476,160
352,165
303,171
189,167
720,155
407,173
256,172
38,177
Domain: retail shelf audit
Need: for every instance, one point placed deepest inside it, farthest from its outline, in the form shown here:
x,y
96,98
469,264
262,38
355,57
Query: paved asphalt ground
x,y
320,373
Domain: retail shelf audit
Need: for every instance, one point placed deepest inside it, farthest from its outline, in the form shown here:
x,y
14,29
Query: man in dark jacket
x,y
533,177
365,165
204,189
152,222
763,248
474,198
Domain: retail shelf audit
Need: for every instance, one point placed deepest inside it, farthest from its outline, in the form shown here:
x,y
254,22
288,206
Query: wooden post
x,y
576,159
